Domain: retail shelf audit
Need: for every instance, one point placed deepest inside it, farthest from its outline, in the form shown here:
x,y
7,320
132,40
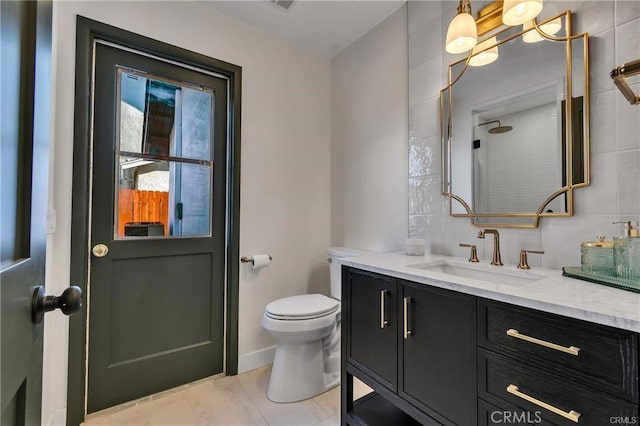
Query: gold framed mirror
x,y
513,148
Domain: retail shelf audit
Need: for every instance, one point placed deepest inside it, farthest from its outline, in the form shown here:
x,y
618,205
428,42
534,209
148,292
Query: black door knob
x,y
69,302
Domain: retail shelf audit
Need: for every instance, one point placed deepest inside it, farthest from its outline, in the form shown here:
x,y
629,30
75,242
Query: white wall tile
x,y
424,157
626,10
418,203
602,59
421,12
592,17
627,121
628,171
433,233
424,119
553,8
429,33
627,42
603,121
424,88
459,230
600,197
417,226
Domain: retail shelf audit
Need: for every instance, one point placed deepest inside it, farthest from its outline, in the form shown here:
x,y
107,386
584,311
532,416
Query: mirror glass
x,y
505,127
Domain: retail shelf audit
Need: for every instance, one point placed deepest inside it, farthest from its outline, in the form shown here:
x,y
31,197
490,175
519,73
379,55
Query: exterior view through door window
x,y
164,157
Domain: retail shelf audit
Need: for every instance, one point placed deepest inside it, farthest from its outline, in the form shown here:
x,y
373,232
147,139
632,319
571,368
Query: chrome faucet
x,y
496,244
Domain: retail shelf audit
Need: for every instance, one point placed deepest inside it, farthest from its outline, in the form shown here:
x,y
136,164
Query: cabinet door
x,y
438,352
371,326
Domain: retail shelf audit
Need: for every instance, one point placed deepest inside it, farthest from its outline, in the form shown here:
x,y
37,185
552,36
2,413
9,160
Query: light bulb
x,y
462,33
516,12
486,54
550,28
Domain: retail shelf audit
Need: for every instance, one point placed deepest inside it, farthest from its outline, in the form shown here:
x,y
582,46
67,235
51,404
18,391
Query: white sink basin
x,y
488,273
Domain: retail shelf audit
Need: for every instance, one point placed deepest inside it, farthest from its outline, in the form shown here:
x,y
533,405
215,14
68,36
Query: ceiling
x,y
322,26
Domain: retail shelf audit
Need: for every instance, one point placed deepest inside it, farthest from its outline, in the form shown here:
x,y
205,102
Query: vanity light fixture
x,y
516,12
462,33
550,28
487,54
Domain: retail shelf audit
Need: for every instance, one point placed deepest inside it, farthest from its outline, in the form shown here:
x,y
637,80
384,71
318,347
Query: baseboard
x,y
253,360
57,418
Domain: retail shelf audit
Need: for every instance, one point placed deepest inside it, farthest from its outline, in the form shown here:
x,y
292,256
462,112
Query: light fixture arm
x,y
490,122
618,75
465,7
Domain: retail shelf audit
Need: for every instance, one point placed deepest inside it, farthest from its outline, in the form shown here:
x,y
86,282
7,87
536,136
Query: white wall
x,y
369,139
614,194
285,189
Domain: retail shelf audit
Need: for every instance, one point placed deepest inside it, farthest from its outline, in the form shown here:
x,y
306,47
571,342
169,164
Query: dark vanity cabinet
x,y
415,345
441,357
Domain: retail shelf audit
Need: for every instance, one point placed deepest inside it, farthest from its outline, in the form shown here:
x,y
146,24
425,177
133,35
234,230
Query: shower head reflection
x,y
498,129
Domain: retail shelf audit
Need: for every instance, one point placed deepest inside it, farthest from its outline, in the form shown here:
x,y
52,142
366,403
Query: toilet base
x,y
298,372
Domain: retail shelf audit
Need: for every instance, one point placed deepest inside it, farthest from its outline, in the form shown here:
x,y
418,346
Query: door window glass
x,y
164,157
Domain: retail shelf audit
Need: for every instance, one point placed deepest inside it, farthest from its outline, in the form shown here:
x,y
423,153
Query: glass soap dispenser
x,y
626,253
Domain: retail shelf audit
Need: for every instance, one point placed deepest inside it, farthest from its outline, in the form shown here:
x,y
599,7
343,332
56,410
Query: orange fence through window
x,y
142,206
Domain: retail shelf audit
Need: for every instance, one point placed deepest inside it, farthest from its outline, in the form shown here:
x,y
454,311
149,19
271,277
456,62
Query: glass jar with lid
x,y
597,257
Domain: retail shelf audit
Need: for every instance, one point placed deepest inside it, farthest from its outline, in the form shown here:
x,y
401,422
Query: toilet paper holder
x,y
246,259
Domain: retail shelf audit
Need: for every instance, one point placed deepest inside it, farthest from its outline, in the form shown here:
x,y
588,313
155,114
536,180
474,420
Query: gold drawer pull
x,y
571,415
569,350
407,332
383,321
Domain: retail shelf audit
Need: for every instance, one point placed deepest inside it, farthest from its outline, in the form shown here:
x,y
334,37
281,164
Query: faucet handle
x,y
523,258
474,252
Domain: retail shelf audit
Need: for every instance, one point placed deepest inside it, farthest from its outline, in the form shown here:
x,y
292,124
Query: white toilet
x,y
307,328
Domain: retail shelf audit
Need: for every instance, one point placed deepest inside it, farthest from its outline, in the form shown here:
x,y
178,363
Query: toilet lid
x,y
306,306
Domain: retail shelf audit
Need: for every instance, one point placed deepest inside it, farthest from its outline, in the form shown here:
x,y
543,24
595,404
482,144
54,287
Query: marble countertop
x,y
543,289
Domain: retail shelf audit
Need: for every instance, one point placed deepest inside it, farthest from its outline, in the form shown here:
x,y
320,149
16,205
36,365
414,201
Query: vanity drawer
x,y
552,398
601,357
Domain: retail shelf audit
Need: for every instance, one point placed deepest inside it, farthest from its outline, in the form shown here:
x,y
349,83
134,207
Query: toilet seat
x,y
302,307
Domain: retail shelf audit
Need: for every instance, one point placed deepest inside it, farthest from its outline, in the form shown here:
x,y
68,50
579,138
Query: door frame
x,y
89,31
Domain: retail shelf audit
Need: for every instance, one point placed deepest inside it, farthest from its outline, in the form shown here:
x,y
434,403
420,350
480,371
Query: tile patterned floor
x,y
226,401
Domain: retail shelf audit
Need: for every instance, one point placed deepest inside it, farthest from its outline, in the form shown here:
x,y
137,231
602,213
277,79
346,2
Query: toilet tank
x,y
336,253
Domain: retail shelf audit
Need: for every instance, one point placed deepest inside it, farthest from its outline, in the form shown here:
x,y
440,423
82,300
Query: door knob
x,y
69,302
100,250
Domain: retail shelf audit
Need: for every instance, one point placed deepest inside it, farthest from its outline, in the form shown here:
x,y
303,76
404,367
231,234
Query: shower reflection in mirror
x,y
517,161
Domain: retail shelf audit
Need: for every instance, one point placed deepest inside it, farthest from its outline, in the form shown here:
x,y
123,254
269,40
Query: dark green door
x,y
24,159
156,281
